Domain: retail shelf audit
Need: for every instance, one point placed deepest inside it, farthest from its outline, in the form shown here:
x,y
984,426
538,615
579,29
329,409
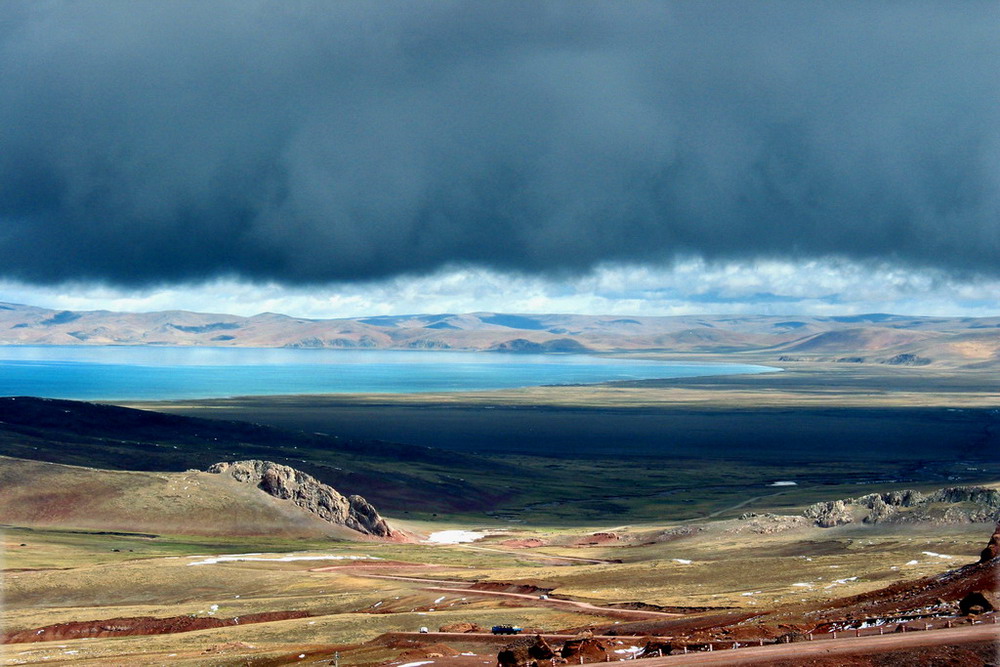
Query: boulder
x,y
520,653
587,648
979,602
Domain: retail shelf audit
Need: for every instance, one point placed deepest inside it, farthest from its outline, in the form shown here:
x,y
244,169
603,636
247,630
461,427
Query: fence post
x,y
834,634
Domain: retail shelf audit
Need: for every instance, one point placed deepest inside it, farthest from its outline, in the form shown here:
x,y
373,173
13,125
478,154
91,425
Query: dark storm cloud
x,y
308,142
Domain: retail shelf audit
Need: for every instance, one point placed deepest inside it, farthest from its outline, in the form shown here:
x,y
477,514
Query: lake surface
x,y
131,373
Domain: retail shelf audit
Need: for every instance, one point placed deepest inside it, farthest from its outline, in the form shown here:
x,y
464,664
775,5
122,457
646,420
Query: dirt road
x,y
762,655
555,602
464,588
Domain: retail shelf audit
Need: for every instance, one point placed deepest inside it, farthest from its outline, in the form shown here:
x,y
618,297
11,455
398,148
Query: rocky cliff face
x,y
308,493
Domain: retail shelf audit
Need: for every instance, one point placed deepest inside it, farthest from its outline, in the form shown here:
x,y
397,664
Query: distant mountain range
x,y
873,338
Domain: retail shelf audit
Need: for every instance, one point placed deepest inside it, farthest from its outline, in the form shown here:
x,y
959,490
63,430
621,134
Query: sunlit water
x,y
121,373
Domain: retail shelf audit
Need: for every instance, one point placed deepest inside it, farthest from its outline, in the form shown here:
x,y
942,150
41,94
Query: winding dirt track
x,y
555,602
464,588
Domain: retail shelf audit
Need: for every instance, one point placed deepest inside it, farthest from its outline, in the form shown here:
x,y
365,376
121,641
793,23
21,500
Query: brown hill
x,y
879,336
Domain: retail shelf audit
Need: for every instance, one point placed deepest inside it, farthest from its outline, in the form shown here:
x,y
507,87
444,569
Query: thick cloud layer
x,y
301,142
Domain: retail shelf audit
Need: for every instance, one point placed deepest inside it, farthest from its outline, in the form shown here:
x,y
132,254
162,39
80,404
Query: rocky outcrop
x,y
308,493
829,514
767,523
957,504
992,549
906,360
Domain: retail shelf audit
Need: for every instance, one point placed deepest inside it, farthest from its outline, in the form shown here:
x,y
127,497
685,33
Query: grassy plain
x,y
667,467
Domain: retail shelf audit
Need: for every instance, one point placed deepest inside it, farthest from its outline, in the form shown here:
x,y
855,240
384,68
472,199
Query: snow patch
x,y
270,558
454,537
934,555
914,562
683,561
417,664
783,483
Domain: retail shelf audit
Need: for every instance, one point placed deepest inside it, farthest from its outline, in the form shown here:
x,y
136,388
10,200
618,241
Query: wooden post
x,y
834,634
760,642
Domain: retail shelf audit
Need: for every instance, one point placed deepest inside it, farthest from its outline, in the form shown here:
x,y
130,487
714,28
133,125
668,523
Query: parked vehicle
x,y
506,630
424,630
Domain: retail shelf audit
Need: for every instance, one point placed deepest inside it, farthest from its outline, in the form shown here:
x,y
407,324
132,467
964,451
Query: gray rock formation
x,y
957,504
308,493
829,514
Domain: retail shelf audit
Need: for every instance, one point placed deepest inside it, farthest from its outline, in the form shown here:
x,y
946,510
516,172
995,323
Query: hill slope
x,y
392,476
38,494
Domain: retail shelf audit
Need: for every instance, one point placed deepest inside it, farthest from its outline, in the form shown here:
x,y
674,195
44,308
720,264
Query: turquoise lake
x,y
132,373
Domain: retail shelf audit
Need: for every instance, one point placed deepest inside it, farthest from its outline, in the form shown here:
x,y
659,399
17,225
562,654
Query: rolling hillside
x,y
48,495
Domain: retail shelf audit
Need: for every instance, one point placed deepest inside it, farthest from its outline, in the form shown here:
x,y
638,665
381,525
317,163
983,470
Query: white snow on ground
x,y
844,581
802,584
751,593
438,601
631,650
683,561
454,536
270,558
914,562
783,483
934,555
417,664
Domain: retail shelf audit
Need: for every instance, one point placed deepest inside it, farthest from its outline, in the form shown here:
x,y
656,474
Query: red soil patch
x,y
139,625
597,539
528,543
